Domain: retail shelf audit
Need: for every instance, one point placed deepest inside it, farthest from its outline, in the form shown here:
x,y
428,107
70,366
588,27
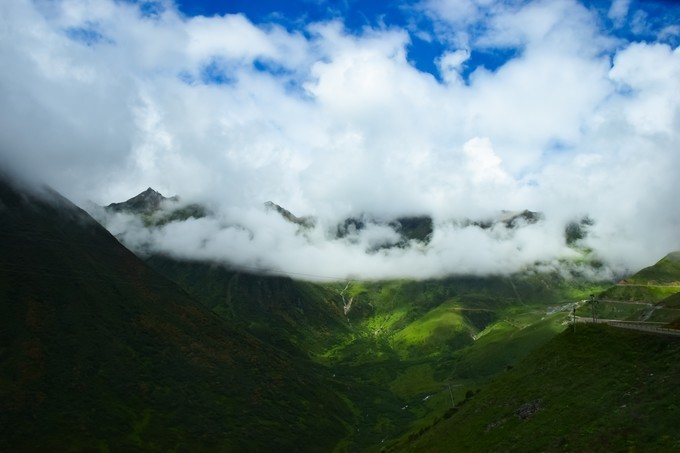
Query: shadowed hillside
x,y
297,316
101,351
98,351
596,389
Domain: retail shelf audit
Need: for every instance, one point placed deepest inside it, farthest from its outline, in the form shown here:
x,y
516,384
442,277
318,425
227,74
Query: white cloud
x,y
669,32
451,65
334,123
484,165
618,11
654,98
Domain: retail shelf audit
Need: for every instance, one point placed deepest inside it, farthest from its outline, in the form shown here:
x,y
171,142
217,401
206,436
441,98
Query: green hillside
x,y
672,301
429,341
595,389
665,272
401,348
651,284
99,352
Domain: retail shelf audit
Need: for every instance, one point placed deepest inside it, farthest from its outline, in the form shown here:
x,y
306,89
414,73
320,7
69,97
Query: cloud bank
x,y
102,99
260,240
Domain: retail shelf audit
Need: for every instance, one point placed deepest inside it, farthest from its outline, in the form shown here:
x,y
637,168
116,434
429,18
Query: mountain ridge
x,y
157,210
237,361
145,202
98,351
374,235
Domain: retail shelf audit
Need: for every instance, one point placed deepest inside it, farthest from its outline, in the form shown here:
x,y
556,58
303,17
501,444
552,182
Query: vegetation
x,y
418,228
399,349
101,351
665,272
651,294
575,231
595,389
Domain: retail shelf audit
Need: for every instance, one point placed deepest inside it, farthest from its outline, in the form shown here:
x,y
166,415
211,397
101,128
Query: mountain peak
x,y
306,222
145,202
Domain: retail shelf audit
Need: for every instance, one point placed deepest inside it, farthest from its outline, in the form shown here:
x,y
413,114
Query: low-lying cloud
x,y
261,240
102,100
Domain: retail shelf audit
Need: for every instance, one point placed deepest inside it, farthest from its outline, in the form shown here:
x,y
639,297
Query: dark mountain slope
x,y
297,316
98,351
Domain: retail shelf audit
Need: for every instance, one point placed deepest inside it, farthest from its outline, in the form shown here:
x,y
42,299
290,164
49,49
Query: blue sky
x,y
642,20
449,108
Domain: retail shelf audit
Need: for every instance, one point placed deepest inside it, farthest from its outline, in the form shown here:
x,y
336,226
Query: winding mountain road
x,y
651,327
646,327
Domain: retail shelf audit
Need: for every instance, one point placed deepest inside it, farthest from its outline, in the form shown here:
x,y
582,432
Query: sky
x,y
449,108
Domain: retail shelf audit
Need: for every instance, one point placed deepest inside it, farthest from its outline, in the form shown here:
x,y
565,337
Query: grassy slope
x,y
647,295
665,272
98,351
408,346
405,348
651,284
598,389
639,293
417,339
299,317
672,303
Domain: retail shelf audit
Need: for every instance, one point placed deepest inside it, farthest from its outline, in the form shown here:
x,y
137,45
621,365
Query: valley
x,y
107,350
331,226
405,351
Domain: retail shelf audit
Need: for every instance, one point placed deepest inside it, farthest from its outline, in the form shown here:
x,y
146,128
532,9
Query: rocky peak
x,y
146,202
306,222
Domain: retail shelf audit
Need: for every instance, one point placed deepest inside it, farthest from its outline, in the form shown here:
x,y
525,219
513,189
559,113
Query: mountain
x,y
509,219
649,285
146,202
596,389
577,230
672,303
304,222
419,228
665,272
414,228
374,234
100,352
156,210
299,317
397,346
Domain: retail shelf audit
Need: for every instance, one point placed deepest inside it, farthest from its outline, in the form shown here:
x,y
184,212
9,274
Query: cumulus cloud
x,y
101,100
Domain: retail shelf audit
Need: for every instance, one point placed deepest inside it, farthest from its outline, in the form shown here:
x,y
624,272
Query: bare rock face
x,y
144,203
525,411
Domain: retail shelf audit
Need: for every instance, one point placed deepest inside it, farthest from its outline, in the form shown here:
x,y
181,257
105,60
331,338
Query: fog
x,y
101,101
260,240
